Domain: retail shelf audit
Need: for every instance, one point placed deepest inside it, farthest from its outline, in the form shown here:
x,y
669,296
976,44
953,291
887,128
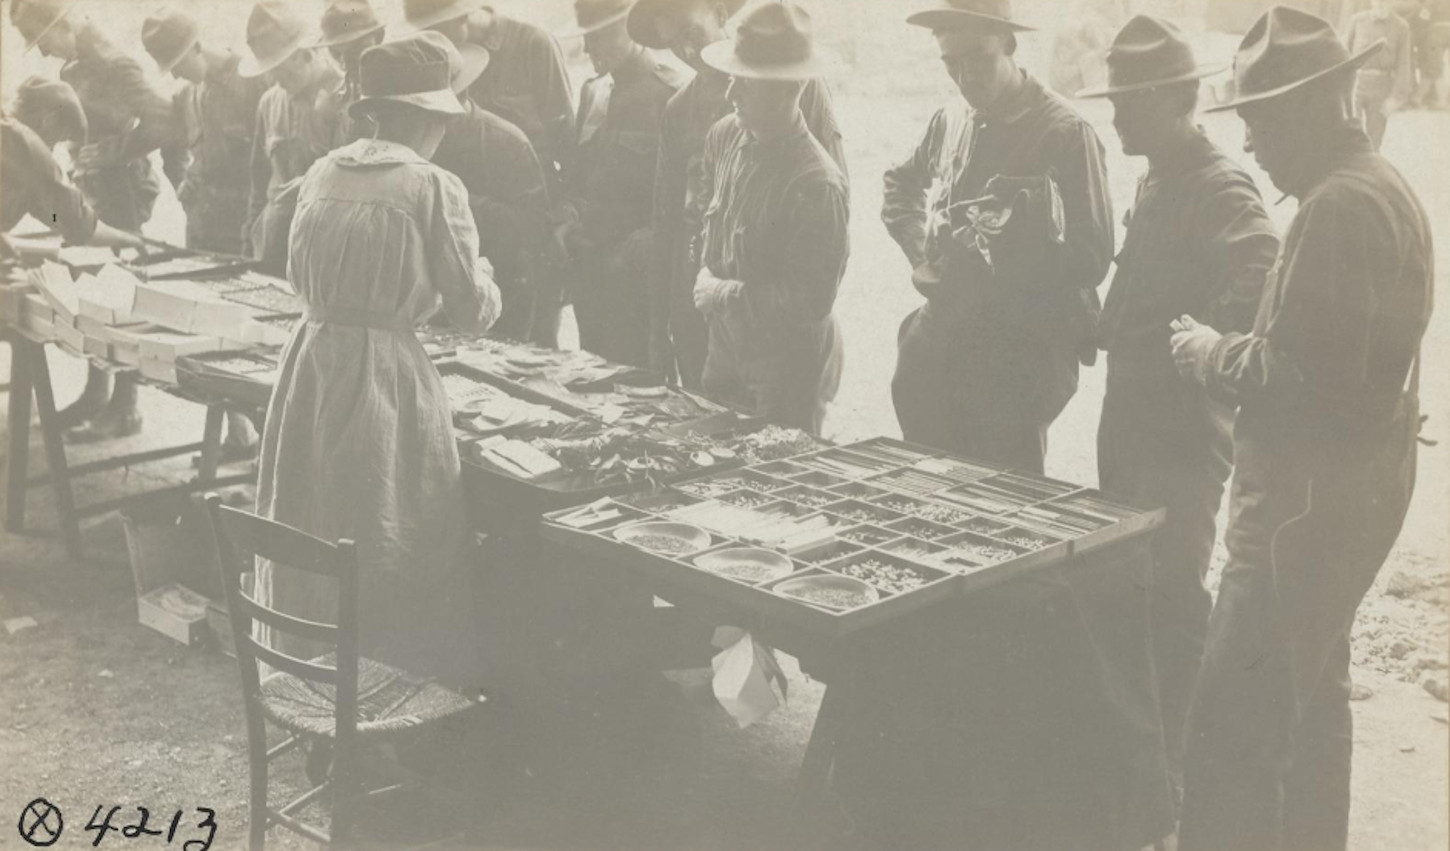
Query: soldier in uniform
x,y
47,114
1327,388
1387,81
776,234
991,359
506,192
215,114
1198,242
297,117
127,120
678,335
348,28
526,84
609,183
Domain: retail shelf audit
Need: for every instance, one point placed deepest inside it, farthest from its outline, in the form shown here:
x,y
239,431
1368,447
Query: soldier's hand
x,y
713,294
1192,350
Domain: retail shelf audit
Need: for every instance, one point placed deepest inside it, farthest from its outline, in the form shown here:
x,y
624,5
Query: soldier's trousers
x,y
1144,460
1270,730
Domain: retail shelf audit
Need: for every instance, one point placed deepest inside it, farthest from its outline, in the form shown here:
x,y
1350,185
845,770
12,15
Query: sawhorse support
x,y
30,378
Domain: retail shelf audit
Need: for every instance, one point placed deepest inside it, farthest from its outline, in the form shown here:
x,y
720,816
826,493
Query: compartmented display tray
x,y
909,525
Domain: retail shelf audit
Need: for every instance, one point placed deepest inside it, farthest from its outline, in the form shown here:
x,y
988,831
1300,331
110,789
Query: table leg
x,y
65,507
18,463
815,770
211,443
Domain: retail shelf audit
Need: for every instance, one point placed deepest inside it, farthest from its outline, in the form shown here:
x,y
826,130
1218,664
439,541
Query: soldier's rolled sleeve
x,y
1314,350
903,208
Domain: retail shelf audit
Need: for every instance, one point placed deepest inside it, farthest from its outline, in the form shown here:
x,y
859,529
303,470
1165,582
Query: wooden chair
x,y
339,698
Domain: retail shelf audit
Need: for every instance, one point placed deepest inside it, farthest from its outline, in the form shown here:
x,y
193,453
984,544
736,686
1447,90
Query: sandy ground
x,y
97,710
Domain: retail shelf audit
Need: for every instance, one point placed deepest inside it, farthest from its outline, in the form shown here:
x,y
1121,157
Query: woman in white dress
x,y
359,440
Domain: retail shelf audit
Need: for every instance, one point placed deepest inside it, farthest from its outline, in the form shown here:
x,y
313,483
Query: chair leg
x,y
257,828
345,795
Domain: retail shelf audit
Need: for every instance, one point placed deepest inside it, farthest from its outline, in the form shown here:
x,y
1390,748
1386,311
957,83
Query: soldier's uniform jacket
x,y
216,120
681,186
35,184
127,120
292,132
1323,375
526,84
1200,242
779,223
1024,334
611,179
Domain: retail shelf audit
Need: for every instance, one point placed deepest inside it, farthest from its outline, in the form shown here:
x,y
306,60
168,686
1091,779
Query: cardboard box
x,y
169,345
109,297
96,347
40,326
176,612
71,338
190,308
36,306
155,370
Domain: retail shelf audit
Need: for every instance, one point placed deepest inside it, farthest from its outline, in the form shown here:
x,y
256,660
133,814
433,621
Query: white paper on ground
x,y
748,682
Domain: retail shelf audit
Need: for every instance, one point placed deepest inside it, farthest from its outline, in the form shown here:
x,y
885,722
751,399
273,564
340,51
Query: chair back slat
x,y
310,630
289,664
276,542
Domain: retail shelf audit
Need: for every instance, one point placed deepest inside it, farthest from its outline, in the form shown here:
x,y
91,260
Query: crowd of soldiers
x,y
700,227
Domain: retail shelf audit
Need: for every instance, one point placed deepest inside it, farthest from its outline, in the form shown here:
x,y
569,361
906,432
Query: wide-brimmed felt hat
x,y
415,69
775,41
1147,53
466,64
647,15
422,14
594,15
345,21
1284,50
274,32
41,100
966,14
168,35
37,16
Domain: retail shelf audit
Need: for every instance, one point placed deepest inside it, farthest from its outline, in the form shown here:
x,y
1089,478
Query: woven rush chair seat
x,y
390,701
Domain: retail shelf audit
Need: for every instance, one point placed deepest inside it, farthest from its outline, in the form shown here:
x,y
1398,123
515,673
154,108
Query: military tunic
x,y
777,222
527,85
1324,457
989,361
127,120
609,184
35,185
293,132
1199,242
217,118
1387,76
679,206
510,203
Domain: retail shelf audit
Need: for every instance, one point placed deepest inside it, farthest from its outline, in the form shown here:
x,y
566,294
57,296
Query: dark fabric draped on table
x,y
1025,719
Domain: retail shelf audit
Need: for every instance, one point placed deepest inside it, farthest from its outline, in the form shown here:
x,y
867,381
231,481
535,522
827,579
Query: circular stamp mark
x,y
41,823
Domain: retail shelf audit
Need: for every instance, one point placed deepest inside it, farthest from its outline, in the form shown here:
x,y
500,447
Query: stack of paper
x,y
109,296
55,283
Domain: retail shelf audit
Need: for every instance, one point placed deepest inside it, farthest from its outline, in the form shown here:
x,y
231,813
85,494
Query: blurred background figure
x,y
1387,80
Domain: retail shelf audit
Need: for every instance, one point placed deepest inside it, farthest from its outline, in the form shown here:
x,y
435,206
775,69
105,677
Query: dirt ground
x,y
98,710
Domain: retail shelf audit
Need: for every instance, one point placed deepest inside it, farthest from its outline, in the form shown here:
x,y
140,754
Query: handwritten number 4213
x,y
140,827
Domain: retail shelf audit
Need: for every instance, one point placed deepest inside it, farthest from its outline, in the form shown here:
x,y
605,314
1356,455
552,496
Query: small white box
x,y
176,612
